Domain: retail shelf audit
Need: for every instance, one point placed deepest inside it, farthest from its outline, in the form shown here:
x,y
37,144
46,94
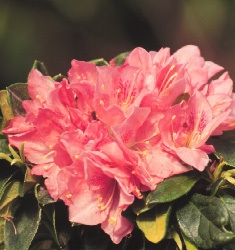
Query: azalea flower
x,y
108,133
82,163
187,126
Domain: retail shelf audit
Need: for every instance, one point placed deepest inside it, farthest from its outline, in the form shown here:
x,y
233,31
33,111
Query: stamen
x,y
169,80
69,196
48,154
112,220
100,199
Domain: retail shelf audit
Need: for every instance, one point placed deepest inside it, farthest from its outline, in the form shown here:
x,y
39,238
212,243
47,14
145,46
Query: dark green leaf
x,y
41,67
173,188
225,147
216,186
50,222
11,191
139,206
26,221
17,93
2,225
7,173
120,59
229,246
42,195
229,202
202,221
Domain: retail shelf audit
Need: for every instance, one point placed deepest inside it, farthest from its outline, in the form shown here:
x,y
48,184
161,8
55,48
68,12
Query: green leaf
x,y
174,235
11,192
225,147
17,93
202,221
50,222
26,221
120,59
7,173
41,67
42,195
173,188
100,62
229,202
189,245
6,109
139,206
154,223
2,225
58,78
4,145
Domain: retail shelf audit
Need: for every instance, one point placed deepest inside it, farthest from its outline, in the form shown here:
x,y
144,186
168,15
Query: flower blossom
x,y
108,133
82,163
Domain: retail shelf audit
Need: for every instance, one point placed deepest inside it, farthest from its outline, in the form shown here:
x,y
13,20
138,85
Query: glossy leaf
x,y
202,220
17,93
173,188
26,221
225,147
154,223
229,202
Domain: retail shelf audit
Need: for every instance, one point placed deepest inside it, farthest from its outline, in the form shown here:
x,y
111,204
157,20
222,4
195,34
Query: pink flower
x,y
187,126
82,163
98,185
109,133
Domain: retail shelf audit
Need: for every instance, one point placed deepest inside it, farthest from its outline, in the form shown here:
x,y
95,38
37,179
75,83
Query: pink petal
x,y
193,157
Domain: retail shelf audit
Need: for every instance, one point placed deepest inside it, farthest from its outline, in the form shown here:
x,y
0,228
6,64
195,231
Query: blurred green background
x,y
57,31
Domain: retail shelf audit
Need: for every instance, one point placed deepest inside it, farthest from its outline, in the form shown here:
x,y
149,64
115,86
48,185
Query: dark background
x,y
57,31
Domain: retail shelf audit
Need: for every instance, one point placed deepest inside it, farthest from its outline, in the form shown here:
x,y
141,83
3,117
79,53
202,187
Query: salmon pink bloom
x,y
187,126
108,133
221,98
99,182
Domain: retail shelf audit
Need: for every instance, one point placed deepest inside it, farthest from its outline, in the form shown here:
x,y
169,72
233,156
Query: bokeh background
x,y
57,31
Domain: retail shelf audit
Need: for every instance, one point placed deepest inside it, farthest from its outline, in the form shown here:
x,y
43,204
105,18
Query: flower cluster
x,y
105,134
